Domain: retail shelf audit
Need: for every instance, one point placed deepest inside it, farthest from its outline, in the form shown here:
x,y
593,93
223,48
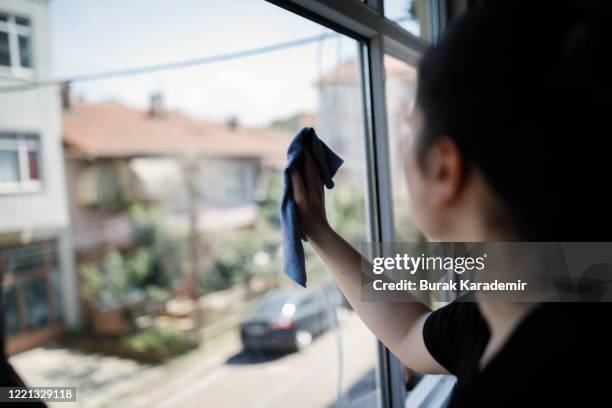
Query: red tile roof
x,y
110,129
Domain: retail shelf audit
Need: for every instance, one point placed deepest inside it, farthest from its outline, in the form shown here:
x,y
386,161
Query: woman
x,y
507,145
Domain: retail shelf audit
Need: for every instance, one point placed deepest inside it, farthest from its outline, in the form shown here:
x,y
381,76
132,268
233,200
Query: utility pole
x,y
191,173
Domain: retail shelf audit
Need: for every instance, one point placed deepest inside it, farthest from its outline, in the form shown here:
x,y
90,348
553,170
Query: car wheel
x,y
302,339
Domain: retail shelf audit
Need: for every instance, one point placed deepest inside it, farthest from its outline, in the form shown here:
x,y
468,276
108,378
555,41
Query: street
x,y
230,378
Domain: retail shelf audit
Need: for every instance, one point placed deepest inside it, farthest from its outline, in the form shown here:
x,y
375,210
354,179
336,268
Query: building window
x,y
19,163
30,298
15,43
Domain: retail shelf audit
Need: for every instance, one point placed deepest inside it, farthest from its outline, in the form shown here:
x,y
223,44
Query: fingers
x,y
314,183
297,185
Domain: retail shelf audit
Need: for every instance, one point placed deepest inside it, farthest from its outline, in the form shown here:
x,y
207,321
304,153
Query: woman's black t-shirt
x,y
559,355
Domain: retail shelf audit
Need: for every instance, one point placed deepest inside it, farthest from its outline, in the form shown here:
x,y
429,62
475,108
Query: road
x,y
229,378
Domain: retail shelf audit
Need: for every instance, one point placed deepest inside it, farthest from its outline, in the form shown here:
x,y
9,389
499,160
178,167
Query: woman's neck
x,y
502,319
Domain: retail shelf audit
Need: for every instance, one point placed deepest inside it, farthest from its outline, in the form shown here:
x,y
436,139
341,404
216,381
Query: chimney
x,y
233,122
156,107
65,96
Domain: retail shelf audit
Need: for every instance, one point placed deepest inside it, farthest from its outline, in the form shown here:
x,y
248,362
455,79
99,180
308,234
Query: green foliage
x,y
346,211
234,255
92,282
269,205
157,338
151,268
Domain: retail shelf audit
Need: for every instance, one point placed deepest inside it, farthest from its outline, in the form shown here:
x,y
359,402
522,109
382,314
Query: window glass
x,y
24,259
400,88
17,169
22,21
56,283
38,313
174,181
409,14
28,270
7,138
5,51
9,166
10,307
24,51
15,32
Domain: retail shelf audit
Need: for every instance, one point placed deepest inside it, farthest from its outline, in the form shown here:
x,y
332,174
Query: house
x,y
39,292
340,122
117,154
340,115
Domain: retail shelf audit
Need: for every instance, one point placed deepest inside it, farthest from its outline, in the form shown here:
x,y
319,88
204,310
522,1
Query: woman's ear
x,y
444,170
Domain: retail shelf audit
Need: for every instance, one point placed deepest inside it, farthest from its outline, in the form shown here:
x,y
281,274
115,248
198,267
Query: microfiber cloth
x,y
328,163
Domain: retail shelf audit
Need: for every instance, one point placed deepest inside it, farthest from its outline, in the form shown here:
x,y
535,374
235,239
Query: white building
x,y
39,294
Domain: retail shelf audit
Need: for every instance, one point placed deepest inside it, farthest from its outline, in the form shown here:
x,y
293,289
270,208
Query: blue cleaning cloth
x,y
328,163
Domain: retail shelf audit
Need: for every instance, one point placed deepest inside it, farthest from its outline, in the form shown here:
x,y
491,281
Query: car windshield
x,y
271,306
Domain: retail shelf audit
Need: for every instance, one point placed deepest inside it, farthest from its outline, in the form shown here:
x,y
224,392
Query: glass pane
x,y
9,166
400,89
184,268
10,306
5,51
38,312
25,51
23,21
56,279
24,259
410,14
8,137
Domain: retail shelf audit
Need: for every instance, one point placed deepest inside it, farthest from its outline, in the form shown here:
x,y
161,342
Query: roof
x,y
113,130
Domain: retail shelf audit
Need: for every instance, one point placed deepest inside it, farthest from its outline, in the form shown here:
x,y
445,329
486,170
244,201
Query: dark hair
x,y
523,88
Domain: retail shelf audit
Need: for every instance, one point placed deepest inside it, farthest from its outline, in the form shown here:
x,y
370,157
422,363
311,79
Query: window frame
x,y
23,144
14,30
365,22
20,280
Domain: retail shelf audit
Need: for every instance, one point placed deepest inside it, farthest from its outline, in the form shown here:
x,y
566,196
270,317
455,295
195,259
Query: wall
x,y
28,216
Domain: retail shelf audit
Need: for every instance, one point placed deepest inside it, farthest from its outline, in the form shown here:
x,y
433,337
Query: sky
x,y
92,36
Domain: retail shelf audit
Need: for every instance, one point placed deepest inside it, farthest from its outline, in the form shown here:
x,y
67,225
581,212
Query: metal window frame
x,y
364,21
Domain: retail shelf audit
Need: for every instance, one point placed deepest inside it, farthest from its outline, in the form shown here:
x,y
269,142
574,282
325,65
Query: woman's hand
x,y
309,197
399,325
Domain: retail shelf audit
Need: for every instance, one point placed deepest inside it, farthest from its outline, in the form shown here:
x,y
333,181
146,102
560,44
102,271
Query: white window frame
x,y
14,30
22,144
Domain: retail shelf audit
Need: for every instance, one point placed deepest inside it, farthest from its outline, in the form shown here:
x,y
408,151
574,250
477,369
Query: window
x,y
210,157
407,13
15,43
185,241
19,163
38,313
23,259
30,294
5,52
400,89
10,306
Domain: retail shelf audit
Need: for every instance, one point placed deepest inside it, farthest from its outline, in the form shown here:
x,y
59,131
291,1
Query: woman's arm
x,y
398,325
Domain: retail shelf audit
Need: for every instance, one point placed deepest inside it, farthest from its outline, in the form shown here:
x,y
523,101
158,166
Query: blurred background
x,y
141,152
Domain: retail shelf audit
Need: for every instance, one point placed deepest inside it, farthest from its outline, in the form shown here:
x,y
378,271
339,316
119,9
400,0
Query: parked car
x,y
286,320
